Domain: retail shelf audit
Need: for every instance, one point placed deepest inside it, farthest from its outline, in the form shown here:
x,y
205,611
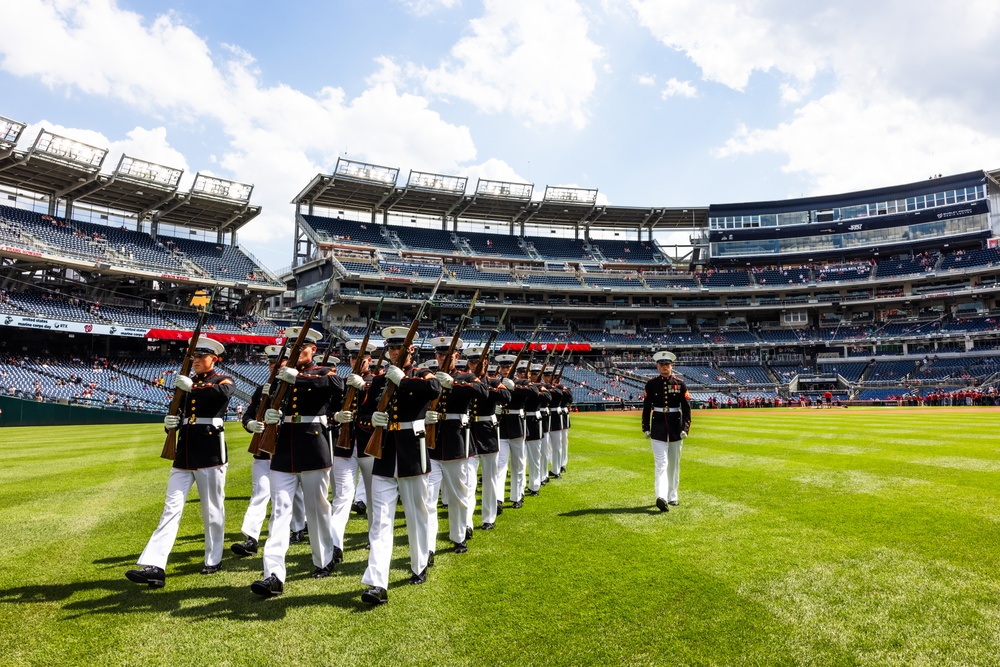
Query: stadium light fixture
x,y
10,131
363,171
220,188
148,172
69,150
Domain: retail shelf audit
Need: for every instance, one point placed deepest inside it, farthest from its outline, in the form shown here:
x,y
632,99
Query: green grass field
x,y
804,537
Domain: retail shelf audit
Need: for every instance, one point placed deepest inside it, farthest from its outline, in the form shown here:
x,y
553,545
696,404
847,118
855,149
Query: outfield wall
x,y
19,412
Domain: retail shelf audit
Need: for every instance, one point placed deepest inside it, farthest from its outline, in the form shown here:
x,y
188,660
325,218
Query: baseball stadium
x,y
840,353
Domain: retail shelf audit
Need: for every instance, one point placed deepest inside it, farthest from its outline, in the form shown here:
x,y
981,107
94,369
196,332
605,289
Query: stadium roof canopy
x,y
359,186
69,170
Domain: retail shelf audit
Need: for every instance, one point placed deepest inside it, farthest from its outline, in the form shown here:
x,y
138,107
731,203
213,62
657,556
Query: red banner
x,y
547,347
230,338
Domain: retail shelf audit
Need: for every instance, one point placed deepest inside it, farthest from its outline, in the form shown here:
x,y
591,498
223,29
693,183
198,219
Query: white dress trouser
x,y
503,456
534,448
491,487
363,492
555,451
260,496
563,447
471,482
212,492
453,482
518,468
385,490
315,487
667,468
344,487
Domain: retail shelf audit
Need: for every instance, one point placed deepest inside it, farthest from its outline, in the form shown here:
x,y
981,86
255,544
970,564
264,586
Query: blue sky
x,y
652,102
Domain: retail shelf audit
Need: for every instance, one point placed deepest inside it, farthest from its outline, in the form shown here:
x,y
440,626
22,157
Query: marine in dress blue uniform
x,y
486,435
666,421
260,480
201,458
401,471
302,456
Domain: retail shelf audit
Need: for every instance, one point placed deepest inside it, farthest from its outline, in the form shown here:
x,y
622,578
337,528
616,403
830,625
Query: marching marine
x,y
401,470
201,458
303,457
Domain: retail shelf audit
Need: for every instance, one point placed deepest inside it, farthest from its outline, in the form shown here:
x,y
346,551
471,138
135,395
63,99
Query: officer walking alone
x,y
666,420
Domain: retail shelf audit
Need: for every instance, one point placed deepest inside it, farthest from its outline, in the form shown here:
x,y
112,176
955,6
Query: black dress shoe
x,y
247,547
489,526
375,595
297,537
461,548
554,475
517,504
322,572
338,555
419,578
468,532
529,492
360,508
154,576
268,587
211,569
662,505
675,503
562,469
545,480
499,507
430,558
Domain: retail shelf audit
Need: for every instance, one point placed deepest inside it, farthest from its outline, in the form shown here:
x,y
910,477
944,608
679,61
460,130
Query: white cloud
x,y
877,92
646,80
843,143
276,137
677,88
530,58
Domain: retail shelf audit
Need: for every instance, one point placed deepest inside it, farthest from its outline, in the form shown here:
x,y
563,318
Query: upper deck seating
x,y
347,231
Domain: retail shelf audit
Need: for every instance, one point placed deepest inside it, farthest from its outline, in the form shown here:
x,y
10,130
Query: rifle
x,y
170,443
524,347
557,380
344,437
559,360
269,438
430,430
545,363
484,359
374,447
264,404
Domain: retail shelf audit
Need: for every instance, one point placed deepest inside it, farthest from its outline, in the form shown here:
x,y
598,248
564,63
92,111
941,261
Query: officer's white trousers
x,y
315,489
667,468
212,493
385,491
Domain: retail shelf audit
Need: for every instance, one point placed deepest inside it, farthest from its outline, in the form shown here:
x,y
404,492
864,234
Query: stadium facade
x,y
870,295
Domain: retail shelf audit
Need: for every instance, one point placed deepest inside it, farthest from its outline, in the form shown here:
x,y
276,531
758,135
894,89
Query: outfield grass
x,y
804,537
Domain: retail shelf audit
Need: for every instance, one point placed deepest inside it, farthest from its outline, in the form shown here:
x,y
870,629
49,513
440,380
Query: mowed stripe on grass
x,y
803,537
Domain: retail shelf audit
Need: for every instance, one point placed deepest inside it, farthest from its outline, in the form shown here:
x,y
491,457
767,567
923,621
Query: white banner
x,y
26,322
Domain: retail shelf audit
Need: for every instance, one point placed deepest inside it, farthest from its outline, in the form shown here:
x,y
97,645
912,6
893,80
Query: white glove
x,y
684,434
272,416
431,417
287,374
508,384
356,381
380,418
445,379
254,426
498,409
344,416
183,382
171,421
647,434
394,374
265,390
